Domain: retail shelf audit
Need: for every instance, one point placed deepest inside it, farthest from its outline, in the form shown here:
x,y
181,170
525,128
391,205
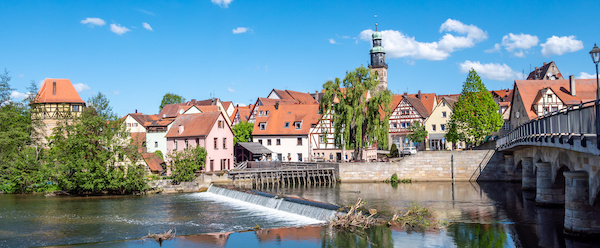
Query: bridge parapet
x,y
570,128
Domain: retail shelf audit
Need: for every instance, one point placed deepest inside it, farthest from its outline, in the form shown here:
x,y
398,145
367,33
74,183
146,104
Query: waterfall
x,y
315,210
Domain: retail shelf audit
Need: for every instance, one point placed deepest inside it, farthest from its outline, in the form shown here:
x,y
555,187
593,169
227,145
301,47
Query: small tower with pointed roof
x,y
378,65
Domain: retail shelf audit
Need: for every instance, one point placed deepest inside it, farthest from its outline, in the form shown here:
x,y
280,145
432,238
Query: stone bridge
x,y
558,157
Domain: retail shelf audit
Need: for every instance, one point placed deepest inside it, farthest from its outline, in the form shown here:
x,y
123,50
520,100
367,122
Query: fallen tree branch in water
x,y
355,218
161,237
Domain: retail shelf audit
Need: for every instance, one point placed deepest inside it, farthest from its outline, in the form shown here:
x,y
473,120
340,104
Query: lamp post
x,y
595,53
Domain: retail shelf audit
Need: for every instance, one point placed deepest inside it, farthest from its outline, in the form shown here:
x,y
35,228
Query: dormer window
x,y
298,125
54,88
263,126
286,125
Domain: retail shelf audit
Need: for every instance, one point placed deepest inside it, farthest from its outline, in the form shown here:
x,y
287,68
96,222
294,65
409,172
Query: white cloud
x,y
18,95
116,92
118,29
222,3
93,21
399,45
147,26
500,72
560,45
230,89
21,75
240,104
517,44
585,75
332,41
81,87
145,12
240,30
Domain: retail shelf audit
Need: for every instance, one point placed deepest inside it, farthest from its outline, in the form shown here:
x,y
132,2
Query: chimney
x,y
317,95
544,63
180,129
136,111
572,84
419,95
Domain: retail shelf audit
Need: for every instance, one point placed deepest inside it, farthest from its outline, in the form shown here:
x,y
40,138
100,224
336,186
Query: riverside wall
x,y
473,165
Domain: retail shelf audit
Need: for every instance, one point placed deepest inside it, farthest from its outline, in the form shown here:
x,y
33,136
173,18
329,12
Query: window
x,y
263,125
155,143
443,127
212,165
266,112
279,157
322,138
395,125
135,124
197,141
300,157
186,143
260,141
268,142
443,103
299,141
554,109
224,143
313,125
331,156
260,113
403,125
216,141
278,142
546,109
298,125
506,125
444,114
175,145
408,125
286,125
221,124
433,127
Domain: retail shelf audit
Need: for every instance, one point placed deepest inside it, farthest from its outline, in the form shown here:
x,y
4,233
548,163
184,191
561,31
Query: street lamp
x,y
595,53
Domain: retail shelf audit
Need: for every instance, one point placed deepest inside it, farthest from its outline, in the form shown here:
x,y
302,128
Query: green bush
x,y
394,153
394,178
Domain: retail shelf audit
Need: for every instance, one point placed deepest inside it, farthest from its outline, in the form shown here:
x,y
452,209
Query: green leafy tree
x,y
475,114
359,121
394,153
418,132
101,105
170,98
5,89
32,90
242,132
89,156
185,162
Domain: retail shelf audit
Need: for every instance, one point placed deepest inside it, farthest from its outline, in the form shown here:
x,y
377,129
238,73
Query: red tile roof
x,y
243,111
138,139
298,97
153,161
585,90
308,114
428,100
172,110
193,124
64,92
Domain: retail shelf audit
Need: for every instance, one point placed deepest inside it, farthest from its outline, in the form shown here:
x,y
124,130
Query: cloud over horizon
x,y
222,3
516,44
240,30
81,87
398,45
493,71
93,21
147,26
585,75
118,29
560,45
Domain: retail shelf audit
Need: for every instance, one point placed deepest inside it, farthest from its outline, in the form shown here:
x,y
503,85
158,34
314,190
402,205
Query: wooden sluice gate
x,y
284,176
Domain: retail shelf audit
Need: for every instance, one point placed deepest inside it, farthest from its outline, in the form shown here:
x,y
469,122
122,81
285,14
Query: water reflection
x,y
478,235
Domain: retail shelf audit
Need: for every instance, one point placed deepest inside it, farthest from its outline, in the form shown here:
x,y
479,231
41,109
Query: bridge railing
x,y
575,120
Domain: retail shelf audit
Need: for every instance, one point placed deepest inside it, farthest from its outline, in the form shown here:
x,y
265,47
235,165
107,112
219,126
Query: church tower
x,y
378,66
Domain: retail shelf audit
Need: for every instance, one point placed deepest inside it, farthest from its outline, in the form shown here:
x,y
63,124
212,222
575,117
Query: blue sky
x,y
136,51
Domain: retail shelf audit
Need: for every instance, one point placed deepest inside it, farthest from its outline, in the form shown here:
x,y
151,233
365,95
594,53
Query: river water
x,y
479,215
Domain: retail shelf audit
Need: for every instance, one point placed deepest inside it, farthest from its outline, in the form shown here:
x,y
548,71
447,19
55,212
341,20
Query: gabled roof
x,y
428,100
63,93
454,96
540,73
193,124
243,111
172,110
298,97
271,102
254,147
503,95
308,114
451,101
153,161
418,106
227,104
585,90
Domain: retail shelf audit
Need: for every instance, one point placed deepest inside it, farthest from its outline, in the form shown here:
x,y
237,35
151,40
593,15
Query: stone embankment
x,y
476,165
202,181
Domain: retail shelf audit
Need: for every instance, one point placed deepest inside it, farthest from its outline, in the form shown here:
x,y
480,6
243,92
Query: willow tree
x,y
475,114
359,114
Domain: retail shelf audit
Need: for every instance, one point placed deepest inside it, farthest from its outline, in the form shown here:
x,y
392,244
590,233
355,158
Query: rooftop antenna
x,y
375,23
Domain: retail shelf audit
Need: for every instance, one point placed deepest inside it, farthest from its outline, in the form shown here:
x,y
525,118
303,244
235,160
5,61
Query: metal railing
x,y
578,120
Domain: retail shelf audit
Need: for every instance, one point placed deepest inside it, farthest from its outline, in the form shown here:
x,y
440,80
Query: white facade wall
x,y
156,141
133,126
289,145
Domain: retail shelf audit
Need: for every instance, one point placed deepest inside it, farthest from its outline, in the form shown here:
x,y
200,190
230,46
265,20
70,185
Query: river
x,y
479,215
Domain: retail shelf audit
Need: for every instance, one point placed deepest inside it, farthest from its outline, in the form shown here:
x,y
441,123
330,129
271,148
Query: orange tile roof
x,y
585,90
193,124
208,108
243,111
428,100
298,97
271,102
64,93
153,161
307,113
138,139
226,104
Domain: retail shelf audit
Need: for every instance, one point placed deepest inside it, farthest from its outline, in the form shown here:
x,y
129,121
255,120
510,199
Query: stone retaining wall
x,y
475,165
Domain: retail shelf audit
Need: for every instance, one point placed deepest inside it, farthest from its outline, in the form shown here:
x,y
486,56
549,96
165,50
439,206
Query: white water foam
x,y
259,210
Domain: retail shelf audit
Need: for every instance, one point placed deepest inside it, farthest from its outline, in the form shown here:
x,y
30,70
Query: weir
x,y
316,210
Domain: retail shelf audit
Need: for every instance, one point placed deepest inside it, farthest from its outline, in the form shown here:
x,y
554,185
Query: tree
x,y
185,162
243,132
5,89
418,132
32,90
101,105
394,153
89,156
475,114
359,121
170,98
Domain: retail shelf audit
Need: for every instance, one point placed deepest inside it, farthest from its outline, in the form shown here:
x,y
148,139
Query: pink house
x,y
209,130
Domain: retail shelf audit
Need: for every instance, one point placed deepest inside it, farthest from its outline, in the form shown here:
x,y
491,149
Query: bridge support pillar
x,y
509,164
529,180
547,193
581,218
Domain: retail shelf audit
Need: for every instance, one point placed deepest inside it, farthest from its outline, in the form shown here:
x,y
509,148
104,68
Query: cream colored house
x,y
437,126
